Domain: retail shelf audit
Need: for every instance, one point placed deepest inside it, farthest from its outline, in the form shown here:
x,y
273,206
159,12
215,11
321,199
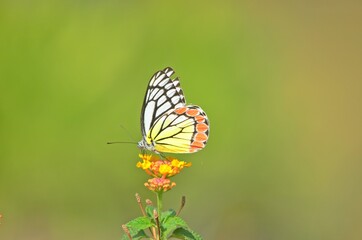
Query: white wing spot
x,y
171,93
153,92
163,83
179,119
159,93
169,72
153,79
180,104
166,106
168,86
158,80
175,99
150,107
161,100
176,82
148,94
171,117
188,122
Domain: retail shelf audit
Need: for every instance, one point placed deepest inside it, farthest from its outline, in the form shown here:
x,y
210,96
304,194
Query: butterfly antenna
x,y
128,132
121,142
129,135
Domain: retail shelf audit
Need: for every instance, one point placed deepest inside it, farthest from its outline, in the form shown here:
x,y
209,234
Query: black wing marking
x,y
162,95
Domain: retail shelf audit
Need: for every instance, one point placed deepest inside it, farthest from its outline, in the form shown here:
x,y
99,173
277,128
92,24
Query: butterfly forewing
x,y
162,95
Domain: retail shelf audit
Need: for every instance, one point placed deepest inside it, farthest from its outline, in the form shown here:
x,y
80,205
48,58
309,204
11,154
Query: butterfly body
x,y
167,123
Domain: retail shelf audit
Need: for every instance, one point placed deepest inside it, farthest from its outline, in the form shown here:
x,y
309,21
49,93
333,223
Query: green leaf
x,y
176,227
141,235
124,237
167,214
136,227
186,234
139,223
174,222
149,210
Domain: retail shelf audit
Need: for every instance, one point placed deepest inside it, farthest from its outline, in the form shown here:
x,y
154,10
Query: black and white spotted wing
x,y
163,94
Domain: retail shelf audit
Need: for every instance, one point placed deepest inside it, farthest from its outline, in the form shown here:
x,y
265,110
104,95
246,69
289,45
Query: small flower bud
x,y
155,213
125,229
138,198
159,184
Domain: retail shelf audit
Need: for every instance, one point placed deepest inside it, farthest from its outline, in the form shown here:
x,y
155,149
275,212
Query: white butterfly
x,y
167,123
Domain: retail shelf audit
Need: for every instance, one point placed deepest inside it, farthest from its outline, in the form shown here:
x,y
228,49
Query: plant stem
x,y
159,210
159,202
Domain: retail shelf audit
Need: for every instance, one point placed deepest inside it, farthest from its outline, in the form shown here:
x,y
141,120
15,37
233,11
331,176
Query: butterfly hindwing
x,y
181,130
162,95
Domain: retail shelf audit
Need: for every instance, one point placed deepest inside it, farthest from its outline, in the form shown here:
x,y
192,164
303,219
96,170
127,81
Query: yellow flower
x,y
144,165
179,164
160,170
148,157
165,169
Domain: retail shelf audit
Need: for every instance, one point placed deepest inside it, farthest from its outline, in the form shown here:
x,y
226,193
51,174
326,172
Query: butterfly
x,y
167,123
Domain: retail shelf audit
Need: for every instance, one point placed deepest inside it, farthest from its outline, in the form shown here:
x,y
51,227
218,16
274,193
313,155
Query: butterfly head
x,y
145,145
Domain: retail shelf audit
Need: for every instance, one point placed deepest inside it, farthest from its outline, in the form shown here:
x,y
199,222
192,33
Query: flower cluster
x,y
159,184
160,170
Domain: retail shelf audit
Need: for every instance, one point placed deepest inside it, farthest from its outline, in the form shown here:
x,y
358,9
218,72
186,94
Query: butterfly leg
x,y
143,151
163,156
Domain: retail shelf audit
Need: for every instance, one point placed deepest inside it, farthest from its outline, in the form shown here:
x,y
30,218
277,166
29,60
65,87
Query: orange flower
x,y
159,184
156,167
161,170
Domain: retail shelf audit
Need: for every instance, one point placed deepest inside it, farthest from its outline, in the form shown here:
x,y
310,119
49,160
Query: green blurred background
x,y
280,82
